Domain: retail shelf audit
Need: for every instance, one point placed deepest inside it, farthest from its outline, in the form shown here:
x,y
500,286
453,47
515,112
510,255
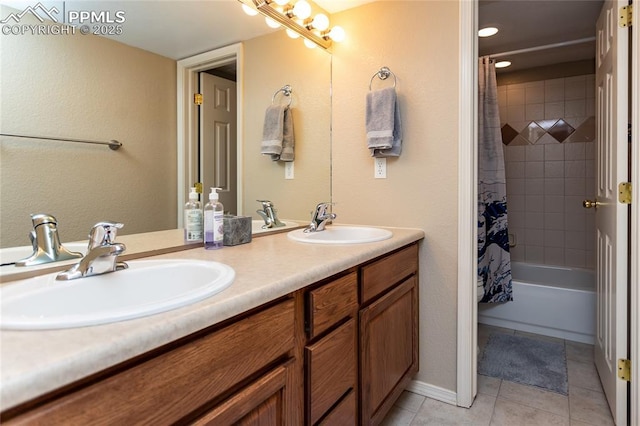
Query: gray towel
x,y
383,125
272,131
288,141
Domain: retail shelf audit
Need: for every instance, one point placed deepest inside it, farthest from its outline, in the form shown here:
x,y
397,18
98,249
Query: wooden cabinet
x,y
331,364
338,352
178,385
388,333
262,403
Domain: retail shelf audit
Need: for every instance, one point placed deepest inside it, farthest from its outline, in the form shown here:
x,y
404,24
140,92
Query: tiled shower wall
x,y
548,131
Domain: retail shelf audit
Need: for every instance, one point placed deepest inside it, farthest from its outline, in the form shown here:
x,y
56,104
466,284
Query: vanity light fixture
x,y
250,11
487,32
297,17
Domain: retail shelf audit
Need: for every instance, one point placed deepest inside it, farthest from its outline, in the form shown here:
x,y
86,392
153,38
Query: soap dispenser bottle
x,y
193,218
213,222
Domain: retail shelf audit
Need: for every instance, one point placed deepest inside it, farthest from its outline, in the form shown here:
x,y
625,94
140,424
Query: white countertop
x,y
33,363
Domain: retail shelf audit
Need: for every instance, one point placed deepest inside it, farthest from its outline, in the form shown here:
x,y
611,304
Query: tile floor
x,y
500,402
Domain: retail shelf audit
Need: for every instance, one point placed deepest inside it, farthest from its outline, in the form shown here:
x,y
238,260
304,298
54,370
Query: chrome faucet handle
x,y
265,203
103,233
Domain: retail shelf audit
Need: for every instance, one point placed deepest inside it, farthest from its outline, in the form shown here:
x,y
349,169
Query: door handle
x,y
587,204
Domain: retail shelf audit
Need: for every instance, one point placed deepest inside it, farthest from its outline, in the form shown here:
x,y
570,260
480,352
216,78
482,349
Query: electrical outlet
x,y
380,168
288,170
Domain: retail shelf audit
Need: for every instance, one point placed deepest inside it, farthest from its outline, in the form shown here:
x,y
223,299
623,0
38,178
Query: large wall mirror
x,y
91,87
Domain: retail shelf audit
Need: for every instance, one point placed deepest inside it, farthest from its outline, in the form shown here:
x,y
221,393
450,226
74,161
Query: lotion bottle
x,y
193,218
213,222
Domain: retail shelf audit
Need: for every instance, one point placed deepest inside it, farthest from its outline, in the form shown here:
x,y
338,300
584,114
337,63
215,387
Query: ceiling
x,y
525,23
179,29
182,28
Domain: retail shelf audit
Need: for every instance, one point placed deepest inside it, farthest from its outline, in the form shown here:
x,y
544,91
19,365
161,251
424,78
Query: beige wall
x,y
418,41
271,62
94,88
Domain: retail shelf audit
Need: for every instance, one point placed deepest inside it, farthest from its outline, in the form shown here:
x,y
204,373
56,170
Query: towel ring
x,y
383,74
286,91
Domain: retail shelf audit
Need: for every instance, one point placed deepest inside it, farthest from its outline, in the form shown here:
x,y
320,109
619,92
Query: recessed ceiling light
x,y
487,32
503,64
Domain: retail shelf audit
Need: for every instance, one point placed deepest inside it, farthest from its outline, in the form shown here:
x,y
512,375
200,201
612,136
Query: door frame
x,y
466,374
635,218
467,328
187,125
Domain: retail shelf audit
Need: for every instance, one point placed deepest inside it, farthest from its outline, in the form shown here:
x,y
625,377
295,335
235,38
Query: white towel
x,y
272,131
383,125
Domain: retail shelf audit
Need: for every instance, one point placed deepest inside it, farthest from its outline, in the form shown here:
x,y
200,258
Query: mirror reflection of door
x,y
218,144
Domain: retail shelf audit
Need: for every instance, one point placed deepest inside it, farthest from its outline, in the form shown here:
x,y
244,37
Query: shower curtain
x,y
494,261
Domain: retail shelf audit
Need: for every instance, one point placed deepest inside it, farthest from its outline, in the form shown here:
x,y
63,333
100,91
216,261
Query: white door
x,y
218,145
611,216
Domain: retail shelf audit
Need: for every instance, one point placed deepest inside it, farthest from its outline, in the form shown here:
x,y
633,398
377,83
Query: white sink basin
x,y
11,255
339,234
256,226
147,287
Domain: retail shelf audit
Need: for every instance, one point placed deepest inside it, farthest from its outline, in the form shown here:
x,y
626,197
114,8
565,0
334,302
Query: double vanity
x,y
307,332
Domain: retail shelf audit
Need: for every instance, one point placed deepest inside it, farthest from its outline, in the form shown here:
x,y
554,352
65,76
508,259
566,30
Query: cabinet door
x,y
170,386
260,404
331,369
388,349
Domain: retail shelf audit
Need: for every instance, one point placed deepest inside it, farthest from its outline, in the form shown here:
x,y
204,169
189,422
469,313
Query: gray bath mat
x,y
526,361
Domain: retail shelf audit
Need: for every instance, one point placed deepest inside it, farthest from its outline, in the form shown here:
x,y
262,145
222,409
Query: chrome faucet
x,y
320,218
46,242
268,214
102,253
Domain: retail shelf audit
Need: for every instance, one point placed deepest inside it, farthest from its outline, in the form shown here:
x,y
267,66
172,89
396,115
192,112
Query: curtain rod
x,y
544,47
113,144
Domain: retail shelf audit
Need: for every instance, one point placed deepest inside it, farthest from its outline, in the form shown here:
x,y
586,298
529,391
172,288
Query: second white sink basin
x,y
147,287
339,234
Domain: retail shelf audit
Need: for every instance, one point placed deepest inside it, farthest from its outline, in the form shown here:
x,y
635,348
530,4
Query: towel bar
x,y
113,144
286,90
383,73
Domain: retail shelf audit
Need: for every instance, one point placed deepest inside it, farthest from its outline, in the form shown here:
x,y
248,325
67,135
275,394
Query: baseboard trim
x,y
433,392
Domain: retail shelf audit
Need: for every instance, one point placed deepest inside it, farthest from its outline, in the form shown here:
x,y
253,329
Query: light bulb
x,y
337,34
292,33
281,2
320,22
503,64
302,9
270,22
487,32
249,11
309,44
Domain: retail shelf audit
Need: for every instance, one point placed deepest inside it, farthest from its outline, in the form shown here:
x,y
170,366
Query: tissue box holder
x,y
237,230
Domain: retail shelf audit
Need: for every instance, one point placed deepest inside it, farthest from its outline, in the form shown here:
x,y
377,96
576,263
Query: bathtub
x,y
548,300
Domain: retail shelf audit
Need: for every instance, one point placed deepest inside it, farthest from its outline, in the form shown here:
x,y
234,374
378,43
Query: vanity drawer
x,y
165,389
388,271
331,303
331,369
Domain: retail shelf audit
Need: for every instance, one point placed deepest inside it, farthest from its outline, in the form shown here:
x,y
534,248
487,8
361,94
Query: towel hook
x,y
383,74
286,91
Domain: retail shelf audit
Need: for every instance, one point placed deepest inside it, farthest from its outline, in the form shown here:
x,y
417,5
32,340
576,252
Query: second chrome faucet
x,y
320,218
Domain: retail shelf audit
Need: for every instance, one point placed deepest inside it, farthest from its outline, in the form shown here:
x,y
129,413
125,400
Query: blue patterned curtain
x,y
494,261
